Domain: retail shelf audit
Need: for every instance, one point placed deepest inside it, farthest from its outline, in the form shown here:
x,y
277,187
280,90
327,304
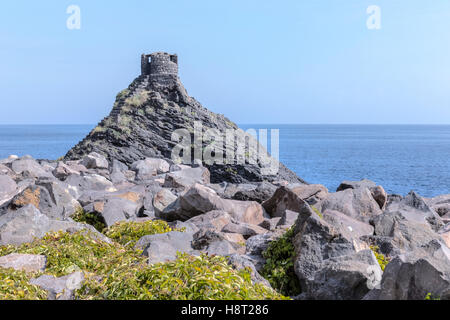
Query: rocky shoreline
x,y
338,237
118,218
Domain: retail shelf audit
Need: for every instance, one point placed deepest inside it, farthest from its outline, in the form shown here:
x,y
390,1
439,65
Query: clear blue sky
x,y
255,61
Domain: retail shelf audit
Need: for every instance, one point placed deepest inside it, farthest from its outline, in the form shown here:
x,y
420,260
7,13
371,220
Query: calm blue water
x,y
400,158
40,141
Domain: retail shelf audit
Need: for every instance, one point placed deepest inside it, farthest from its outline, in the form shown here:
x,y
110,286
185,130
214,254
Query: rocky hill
x,y
151,109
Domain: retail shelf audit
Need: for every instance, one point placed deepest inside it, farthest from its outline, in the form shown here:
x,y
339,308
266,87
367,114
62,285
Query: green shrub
x,y
14,286
382,260
279,267
114,271
67,253
91,218
188,277
128,233
430,296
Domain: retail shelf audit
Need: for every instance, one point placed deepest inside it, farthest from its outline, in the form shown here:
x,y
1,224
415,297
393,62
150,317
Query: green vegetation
x,y
279,267
137,100
14,286
430,296
231,170
91,218
382,260
99,129
317,212
124,121
128,233
149,110
122,94
117,271
188,277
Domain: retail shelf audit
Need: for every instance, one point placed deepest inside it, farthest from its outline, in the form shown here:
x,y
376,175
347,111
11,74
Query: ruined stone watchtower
x,y
160,66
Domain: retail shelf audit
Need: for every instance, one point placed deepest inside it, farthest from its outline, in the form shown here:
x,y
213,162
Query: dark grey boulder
x,y
357,203
29,167
288,218
405,234
120,173
414,208
416,274
164,247
118,177
215,243
240,262
94,161
63,170
186,178
330,262
9,160
62,288
89,182
51,197
200,199
256,245
4,170
8,188
148,168
356,185
270,223
24,262
441,205
161,200
310,193
245,229
27,223
186,226
258,192
355,227
214,220
282,200
117,210
227,190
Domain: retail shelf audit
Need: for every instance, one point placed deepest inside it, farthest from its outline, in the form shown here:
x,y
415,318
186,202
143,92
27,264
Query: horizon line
x,y
255,123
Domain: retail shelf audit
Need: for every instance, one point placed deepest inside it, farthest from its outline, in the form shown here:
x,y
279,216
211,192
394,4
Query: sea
x,y
401,158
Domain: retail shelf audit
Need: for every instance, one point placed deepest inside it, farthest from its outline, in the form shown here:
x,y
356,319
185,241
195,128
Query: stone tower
x,y
160,66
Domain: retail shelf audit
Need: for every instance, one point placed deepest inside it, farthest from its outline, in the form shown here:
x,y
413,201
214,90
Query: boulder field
x,y
355,243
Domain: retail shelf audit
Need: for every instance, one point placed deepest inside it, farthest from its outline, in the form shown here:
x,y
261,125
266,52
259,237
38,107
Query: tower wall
x,y
159,64
163,63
